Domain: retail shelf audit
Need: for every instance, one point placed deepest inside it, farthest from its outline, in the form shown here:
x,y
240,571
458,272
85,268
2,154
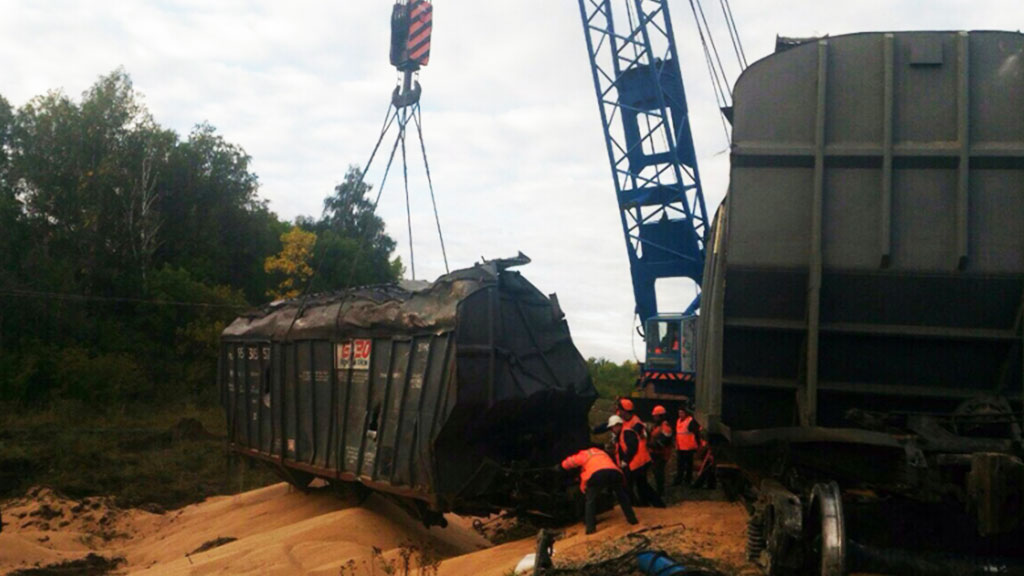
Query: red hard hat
x,y
659,410
626,404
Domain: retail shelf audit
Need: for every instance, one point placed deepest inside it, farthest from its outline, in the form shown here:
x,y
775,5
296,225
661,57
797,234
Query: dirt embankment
x,y
276,530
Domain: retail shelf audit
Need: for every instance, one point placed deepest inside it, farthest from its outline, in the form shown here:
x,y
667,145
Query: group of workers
x,y
635,450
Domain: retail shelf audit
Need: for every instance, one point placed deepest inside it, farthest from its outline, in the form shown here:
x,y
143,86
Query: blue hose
x,y
658,564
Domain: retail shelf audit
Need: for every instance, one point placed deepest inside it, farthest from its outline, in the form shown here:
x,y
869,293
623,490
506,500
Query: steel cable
x,y
405,177
430,185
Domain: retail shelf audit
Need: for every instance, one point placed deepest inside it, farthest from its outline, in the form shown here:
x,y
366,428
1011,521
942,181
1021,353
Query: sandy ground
x,y
276,530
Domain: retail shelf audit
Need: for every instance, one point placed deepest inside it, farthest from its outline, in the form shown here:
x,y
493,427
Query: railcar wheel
x,y
776,531
826,531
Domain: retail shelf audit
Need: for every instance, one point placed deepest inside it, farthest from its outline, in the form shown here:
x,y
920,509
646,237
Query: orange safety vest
x,y
661,432
636,425
590,460
641,457
685,440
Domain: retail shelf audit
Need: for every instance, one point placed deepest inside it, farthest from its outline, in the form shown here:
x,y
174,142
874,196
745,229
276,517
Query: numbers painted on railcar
x,y
361,354
343,355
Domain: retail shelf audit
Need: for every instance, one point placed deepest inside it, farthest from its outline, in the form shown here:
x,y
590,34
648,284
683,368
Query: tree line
x,y
125,249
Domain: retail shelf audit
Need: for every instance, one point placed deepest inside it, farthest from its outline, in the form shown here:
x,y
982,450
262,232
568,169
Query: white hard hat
x,y
614,419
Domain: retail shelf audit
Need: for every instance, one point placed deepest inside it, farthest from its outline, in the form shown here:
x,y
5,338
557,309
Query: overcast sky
x,y
510,118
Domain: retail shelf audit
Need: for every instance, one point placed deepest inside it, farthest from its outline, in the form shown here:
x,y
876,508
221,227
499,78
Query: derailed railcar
x,y
860,340
450,396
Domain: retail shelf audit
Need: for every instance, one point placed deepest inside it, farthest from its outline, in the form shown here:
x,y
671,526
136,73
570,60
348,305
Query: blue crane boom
x,y
646,125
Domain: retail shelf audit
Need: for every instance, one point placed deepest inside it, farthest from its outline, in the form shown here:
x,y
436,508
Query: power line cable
x,y
116,299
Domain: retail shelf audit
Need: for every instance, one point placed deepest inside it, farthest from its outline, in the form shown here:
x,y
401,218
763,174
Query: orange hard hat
x,y
658,410
626,404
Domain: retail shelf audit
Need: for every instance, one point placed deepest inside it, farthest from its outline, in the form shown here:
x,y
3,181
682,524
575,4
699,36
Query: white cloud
x,y
510,120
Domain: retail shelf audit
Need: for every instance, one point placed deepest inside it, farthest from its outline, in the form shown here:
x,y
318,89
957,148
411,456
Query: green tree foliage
x,y
125,250
13,235
87,174
353,248
211,199
613,380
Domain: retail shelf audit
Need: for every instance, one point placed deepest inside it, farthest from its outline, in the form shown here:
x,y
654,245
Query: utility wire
x,y
115,299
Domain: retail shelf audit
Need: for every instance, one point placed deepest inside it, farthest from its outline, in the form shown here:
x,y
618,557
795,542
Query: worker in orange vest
x,y
599,473
686,444
624,410
633,458
660,444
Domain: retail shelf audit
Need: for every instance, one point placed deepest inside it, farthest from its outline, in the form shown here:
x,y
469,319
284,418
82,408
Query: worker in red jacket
x,y
633,458
686,444
661,443
599,473
706,473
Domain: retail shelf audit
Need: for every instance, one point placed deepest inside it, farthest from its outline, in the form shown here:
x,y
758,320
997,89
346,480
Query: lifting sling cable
x,y
410,51
711,49
387,168
389,119
430,185
734,34
714,50
717,73
404,105
404,116
405,179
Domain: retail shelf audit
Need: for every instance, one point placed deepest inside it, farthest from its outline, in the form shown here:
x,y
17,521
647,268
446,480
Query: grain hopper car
x,y
451,396
860,337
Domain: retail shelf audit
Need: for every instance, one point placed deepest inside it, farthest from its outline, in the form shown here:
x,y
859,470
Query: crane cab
x,y
671,364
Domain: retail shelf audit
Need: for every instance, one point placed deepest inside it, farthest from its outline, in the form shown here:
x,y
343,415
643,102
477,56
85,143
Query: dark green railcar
x,y
860,343
450,396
